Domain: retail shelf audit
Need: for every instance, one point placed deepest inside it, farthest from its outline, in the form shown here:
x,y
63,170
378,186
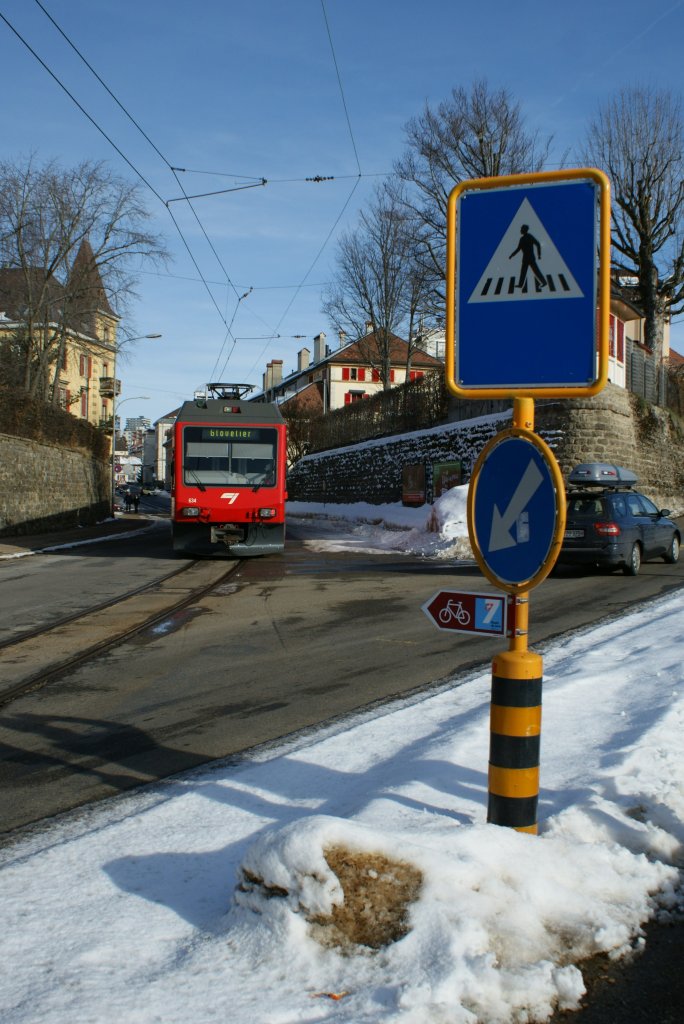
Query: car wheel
x,y
634,563
672,555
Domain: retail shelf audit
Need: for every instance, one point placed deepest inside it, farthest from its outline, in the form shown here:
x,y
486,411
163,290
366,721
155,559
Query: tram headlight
x,y
191,511
267,513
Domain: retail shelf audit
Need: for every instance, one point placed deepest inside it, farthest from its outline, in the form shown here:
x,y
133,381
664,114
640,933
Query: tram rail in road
x,y
35,658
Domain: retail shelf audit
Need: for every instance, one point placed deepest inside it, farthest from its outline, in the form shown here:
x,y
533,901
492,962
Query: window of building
x,y
353,396
353,373
416,374
85,365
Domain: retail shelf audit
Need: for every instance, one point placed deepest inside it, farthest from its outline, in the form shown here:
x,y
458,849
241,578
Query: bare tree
x,y
69,242
636,138
378,282
475,134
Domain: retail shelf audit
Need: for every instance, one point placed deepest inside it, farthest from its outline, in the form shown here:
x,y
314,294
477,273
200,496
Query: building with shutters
x,y
347,374
76,328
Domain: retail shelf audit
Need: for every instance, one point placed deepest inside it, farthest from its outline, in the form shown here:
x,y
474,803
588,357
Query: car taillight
x,y
267,513
607,529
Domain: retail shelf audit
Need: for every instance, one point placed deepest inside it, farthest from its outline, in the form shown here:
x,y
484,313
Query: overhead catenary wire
x,y
174,170
147,138
254,182
134,122
339,82
349,197
117,149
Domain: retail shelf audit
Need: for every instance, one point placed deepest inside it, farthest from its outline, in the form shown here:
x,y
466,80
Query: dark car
x,y
611,525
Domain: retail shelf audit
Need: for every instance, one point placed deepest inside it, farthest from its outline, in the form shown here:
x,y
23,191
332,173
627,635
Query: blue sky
x,y
250,89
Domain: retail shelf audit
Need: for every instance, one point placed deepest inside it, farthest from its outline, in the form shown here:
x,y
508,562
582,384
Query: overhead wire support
x,y
204,195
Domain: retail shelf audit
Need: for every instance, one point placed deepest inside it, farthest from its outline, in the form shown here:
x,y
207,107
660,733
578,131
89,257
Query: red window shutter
x,y
391,376
362,374
90,367
376,376
68,398
347,397
345,373
81,365
611,336
84,404
621,341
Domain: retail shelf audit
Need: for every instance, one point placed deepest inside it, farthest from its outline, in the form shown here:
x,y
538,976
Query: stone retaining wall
x,y
614,426
44,487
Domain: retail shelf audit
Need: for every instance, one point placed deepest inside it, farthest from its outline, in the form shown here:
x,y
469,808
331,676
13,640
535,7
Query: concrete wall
x,y
44,488
615,426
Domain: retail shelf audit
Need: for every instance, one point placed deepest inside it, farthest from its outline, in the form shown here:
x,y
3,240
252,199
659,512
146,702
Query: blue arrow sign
x,y
526,286
515,510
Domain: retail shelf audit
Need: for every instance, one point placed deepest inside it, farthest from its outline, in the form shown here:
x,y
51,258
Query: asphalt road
x,y
289,643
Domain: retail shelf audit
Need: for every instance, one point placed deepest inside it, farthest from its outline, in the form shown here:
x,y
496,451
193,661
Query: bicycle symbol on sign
x,y
454,610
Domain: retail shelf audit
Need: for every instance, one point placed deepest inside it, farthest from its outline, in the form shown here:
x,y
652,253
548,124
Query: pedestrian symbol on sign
x,y
528,245
542,274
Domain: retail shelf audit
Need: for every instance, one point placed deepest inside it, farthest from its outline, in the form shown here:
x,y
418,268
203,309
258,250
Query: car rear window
x,y
586,506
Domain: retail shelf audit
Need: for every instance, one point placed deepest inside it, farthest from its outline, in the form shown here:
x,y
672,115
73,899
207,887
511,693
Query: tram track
x,y
40,656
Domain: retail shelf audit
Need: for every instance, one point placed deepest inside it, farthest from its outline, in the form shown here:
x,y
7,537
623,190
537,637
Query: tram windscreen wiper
x,y
196,478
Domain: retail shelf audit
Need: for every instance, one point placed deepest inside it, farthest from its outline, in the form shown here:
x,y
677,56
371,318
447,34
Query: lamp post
x,y
117,406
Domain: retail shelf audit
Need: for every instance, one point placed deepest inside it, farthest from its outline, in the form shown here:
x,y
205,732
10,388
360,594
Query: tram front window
x,y
239,456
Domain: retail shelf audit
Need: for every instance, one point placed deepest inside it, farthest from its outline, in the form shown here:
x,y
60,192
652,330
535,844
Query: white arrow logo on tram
x,y
500,536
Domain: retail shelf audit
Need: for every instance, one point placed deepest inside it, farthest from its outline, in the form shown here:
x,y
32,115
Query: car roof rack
x,y
602,474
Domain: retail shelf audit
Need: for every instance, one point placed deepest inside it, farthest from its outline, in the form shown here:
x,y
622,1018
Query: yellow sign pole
x,y
515,712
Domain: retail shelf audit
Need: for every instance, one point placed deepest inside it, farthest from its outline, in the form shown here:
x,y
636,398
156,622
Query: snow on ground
x,y
436,531
205,898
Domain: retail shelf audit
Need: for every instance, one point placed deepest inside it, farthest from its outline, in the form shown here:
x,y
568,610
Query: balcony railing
x,y
109,387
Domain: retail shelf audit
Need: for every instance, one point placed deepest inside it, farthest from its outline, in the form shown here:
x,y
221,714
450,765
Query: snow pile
x,y
434,531
484,942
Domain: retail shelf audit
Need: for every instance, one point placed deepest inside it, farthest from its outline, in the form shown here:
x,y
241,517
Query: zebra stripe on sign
x,y
526,265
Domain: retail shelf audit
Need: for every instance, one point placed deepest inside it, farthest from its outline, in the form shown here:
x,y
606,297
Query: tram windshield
x,y
240,456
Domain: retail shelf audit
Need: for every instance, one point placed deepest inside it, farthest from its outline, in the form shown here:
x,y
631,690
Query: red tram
x,y
228,471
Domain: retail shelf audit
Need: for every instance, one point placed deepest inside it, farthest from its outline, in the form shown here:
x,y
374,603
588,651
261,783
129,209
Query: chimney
x,y
369,326
343,338
319,347
274,374
303,358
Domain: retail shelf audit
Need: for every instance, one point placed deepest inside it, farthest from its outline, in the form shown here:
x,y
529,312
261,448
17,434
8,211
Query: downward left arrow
x,y
500,535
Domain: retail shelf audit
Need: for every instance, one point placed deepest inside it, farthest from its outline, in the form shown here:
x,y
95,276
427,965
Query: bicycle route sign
x,y
516,510
458,612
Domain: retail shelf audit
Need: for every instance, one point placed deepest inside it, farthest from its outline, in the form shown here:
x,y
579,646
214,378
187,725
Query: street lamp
x,y
117,406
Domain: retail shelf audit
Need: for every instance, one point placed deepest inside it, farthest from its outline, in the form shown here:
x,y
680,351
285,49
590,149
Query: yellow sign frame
x,y
573,174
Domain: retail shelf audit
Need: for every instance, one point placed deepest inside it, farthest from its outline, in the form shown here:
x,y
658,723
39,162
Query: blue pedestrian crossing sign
x,y
528,263
516,510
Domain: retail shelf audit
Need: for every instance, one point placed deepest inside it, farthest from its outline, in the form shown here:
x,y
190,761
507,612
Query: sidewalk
x,y
19,545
